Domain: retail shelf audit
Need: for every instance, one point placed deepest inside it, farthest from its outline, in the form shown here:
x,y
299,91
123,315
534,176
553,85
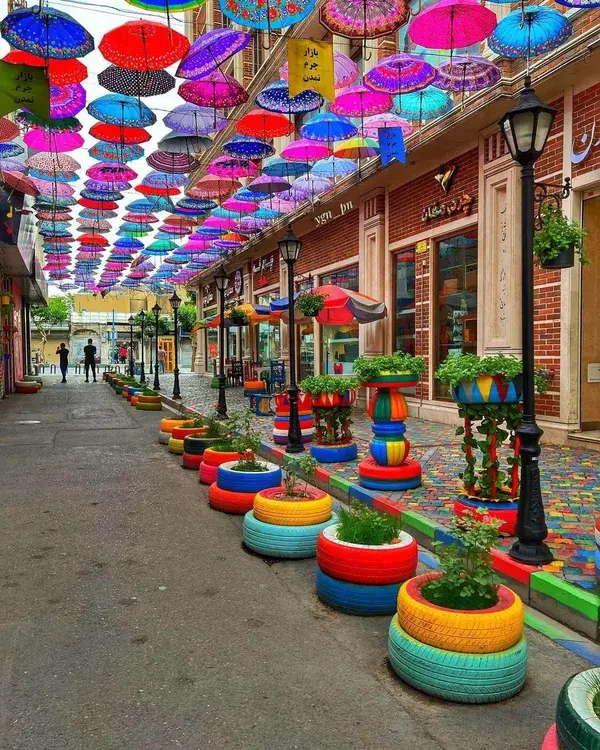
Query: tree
x,y
187,316
55,314
164,326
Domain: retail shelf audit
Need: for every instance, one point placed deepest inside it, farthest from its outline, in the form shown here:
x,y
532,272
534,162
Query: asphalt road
x,y
131,618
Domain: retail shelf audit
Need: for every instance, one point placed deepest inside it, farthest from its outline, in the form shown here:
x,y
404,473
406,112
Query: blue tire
x,y
394,484
282,541
332,455
357,598
458,677
248,481
597,562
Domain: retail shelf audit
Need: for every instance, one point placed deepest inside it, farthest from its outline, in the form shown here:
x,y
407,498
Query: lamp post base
x,y
222,404
142,374
531,553
294,448
176,391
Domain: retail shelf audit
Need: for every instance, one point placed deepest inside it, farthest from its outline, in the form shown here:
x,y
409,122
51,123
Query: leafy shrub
x,y
310,303
367,369
557,234
295,471
237,317
361,525
454,370
198,421
316,384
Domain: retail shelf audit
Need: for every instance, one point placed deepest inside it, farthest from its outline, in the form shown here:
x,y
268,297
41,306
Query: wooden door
x,y
590,311
168,345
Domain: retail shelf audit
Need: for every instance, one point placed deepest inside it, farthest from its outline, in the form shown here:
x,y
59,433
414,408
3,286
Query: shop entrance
x,y
590,331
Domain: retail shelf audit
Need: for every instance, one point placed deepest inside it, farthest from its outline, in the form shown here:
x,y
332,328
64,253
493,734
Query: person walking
x,y
123,354
89,354
162,356
63,358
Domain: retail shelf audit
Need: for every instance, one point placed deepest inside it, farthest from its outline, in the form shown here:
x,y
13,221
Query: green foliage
x,y
454,370
468,580
311,303
214,429
56,313
243,425
361,525
316,384
250,464
149,392
557,234
336,430
186,316
164,326
592,678
237,317
368,368
298,469
198,421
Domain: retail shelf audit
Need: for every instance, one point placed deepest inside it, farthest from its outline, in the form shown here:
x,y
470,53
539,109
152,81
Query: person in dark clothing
x,y
89,354
63,354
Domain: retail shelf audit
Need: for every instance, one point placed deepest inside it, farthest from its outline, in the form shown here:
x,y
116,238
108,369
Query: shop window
x,y
456,299
405,302
269,336
339,344
346,279
232,339
212,348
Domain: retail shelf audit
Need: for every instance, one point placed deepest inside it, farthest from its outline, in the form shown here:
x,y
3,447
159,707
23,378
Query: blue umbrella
x,y
10,150
131,226
39,174
333,167
186,205
245,146
208,232
49,33
278,167
95,195
276,98
243,194
164,180
118,109
51,226
267,15
426,104
328,127
116,152
266,213
51,201
129,243
529,32
151,204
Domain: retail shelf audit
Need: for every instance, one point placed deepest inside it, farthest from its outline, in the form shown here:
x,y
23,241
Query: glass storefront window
x,y
212,348
307,350
232,337
456,314
345,279
405,302
269,336
339,344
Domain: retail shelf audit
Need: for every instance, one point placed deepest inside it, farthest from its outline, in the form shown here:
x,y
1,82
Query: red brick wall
x,y
406,204
551,160
270,277
330,243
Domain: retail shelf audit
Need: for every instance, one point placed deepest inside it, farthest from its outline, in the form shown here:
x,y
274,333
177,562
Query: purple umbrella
x,y
217,90
467,73
276,98
360,101
309,187
194,120
400,74
210,50
266,184
164,180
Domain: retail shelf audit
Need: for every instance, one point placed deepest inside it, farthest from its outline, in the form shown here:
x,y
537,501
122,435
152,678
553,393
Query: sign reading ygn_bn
x,y
310,66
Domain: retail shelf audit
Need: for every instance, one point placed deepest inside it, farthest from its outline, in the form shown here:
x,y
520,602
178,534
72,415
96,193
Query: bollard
x,y
52,369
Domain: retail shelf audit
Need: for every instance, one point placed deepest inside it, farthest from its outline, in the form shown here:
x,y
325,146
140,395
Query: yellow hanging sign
x,y
310,66
24,86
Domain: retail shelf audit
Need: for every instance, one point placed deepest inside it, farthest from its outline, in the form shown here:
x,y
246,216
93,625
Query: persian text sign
x,y
462,205
391,143
24,86
310,66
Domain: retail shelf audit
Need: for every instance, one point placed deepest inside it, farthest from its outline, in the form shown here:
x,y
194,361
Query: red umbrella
x,y
265,124
93,239
102,205
18,182
8,130
149,190
180,221
60,72
343,306
118,134
143,45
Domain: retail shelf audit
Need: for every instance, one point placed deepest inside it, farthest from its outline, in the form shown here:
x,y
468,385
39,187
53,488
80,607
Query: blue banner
x,y
391,144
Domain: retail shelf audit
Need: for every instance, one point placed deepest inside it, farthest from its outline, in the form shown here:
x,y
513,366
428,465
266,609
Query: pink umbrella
x,y
210,186
218,90
240,207
109,172
218,223
66,101
359,101
229,166
371,125
281,206
57,189
53,162
42,140
306,151
345,70
450,24
197,246
251,224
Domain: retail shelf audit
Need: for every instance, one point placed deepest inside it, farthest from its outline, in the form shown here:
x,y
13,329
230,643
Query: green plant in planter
x,y
194,423
296,471
316,384
246,440
556,235
468,580
454,370
310,304
361,525
366,369
237,317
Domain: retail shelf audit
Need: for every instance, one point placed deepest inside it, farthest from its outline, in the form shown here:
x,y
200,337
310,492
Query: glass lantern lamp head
x,y
221,279
290,246
175,301
142,315
526,127
131,320
156,309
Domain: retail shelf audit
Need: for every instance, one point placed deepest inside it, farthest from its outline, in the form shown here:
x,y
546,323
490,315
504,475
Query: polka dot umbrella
x,y
136,82
8,130
275,97
247,147
217,90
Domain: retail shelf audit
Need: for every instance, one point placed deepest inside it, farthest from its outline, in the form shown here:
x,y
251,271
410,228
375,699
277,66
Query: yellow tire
x,y
176,446
269,509
142,406
149,399
167,425
482,631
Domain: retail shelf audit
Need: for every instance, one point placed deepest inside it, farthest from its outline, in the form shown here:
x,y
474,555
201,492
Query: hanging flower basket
x,y
564,259
310,304
7,301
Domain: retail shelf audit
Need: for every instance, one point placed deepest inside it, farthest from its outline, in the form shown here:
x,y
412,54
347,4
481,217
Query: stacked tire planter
x,y
148,402
284,528
362,579
597,555
389,467
326,448
281,423
179,434
211,460
577,723
166,428
24,386
473,398
234,491
34,379
465,656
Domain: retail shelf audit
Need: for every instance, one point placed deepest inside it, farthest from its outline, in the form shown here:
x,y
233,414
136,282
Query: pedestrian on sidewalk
x,y
89,353
162,356
123,354
63,355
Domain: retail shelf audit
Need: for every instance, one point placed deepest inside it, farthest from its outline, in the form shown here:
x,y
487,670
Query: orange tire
x,y
167,425
230,502
134,400
179,433
216,458
149,399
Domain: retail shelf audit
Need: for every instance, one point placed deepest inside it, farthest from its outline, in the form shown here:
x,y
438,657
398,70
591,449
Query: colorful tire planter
x,y
597,554
149,401
23,386
281,424
211,460
578,712
234,490
166,427
178,435
332,399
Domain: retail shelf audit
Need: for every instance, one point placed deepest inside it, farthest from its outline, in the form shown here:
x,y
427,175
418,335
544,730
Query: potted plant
x,y
399,370
465,611
310,304
149,400
237,317
362,561
218,443
195,426
7,301
558,240
287,520
578,712
332,397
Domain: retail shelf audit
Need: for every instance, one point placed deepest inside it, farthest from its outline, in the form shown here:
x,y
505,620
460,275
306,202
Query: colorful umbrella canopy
x,y
305,151
174,163
426,104
90,213
152,190
267,184
246,147
8,130
217,89
467,73
267,14
60,189
12,165
333,167
95,195
20,183
579,3
60,72
343,306
529,32
53,162
115,152
46,33
162,179
143,45
61,125
328,127
309,187
236,206
264,124
359,101
210,186
109,172
371,125
275,97
41,174
281,206
400,74
450,24
66,101
191,119
136,82
42,140
119,135
101,186
210,50
10,150
230,166
356,148
362,19
278,167
194,205
100,225
247,195
345,70
119,109
184,144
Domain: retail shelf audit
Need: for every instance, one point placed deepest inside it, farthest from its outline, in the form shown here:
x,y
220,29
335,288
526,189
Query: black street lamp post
x,y
142,364
526,128
221,280
290,247
150,335
131,362
175,302
156,310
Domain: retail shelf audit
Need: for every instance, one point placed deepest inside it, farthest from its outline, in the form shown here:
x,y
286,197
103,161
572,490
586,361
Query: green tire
x,y
458,677
577,725
149,407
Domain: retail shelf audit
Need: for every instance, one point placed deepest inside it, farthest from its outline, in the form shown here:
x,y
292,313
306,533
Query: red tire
x,y
227,501
408,470
180,432
24,387
215,458
551,739
508,517
207,473
359,563
191,461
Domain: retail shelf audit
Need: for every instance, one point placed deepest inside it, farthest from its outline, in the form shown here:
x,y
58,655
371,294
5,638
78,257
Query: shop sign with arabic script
x,y
582,146
462,205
